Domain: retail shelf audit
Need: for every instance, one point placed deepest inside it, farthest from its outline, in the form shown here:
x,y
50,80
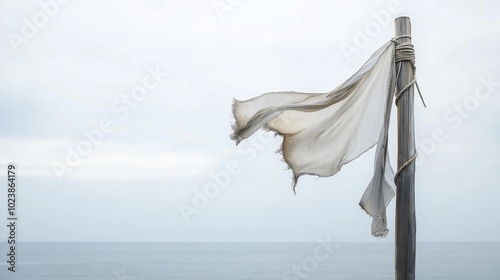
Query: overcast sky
x,y
110,147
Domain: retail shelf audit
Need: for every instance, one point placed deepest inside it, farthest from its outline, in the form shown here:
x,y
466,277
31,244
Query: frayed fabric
x,y
323,131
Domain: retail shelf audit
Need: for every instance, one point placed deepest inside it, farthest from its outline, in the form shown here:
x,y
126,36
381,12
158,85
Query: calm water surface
x,y
225,261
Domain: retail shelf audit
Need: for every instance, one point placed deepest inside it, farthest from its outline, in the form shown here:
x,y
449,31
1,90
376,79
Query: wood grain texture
x,y
405,191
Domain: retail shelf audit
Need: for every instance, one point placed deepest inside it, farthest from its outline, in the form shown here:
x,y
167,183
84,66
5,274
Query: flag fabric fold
x,y
323,131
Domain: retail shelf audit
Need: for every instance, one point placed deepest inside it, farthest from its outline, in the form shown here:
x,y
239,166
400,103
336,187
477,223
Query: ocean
x,y
246,261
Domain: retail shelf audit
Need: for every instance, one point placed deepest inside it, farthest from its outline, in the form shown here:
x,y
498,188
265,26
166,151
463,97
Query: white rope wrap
x,y
405,52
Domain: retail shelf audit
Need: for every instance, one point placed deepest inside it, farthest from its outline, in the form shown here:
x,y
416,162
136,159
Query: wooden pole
x,y
405,182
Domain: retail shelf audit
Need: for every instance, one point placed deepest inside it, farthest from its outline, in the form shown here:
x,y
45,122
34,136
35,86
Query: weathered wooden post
x,y
405,177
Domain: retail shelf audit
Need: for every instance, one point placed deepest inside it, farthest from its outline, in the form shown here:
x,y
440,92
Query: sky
x,y
117,115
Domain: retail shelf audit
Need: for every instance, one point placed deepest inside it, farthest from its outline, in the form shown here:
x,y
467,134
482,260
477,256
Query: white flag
x,y
322,132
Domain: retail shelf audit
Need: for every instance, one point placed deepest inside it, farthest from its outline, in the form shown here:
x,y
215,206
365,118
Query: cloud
x,y
109,161
65,79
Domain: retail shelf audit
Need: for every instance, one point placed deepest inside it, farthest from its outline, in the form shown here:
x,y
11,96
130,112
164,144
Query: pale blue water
x,y
225,261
